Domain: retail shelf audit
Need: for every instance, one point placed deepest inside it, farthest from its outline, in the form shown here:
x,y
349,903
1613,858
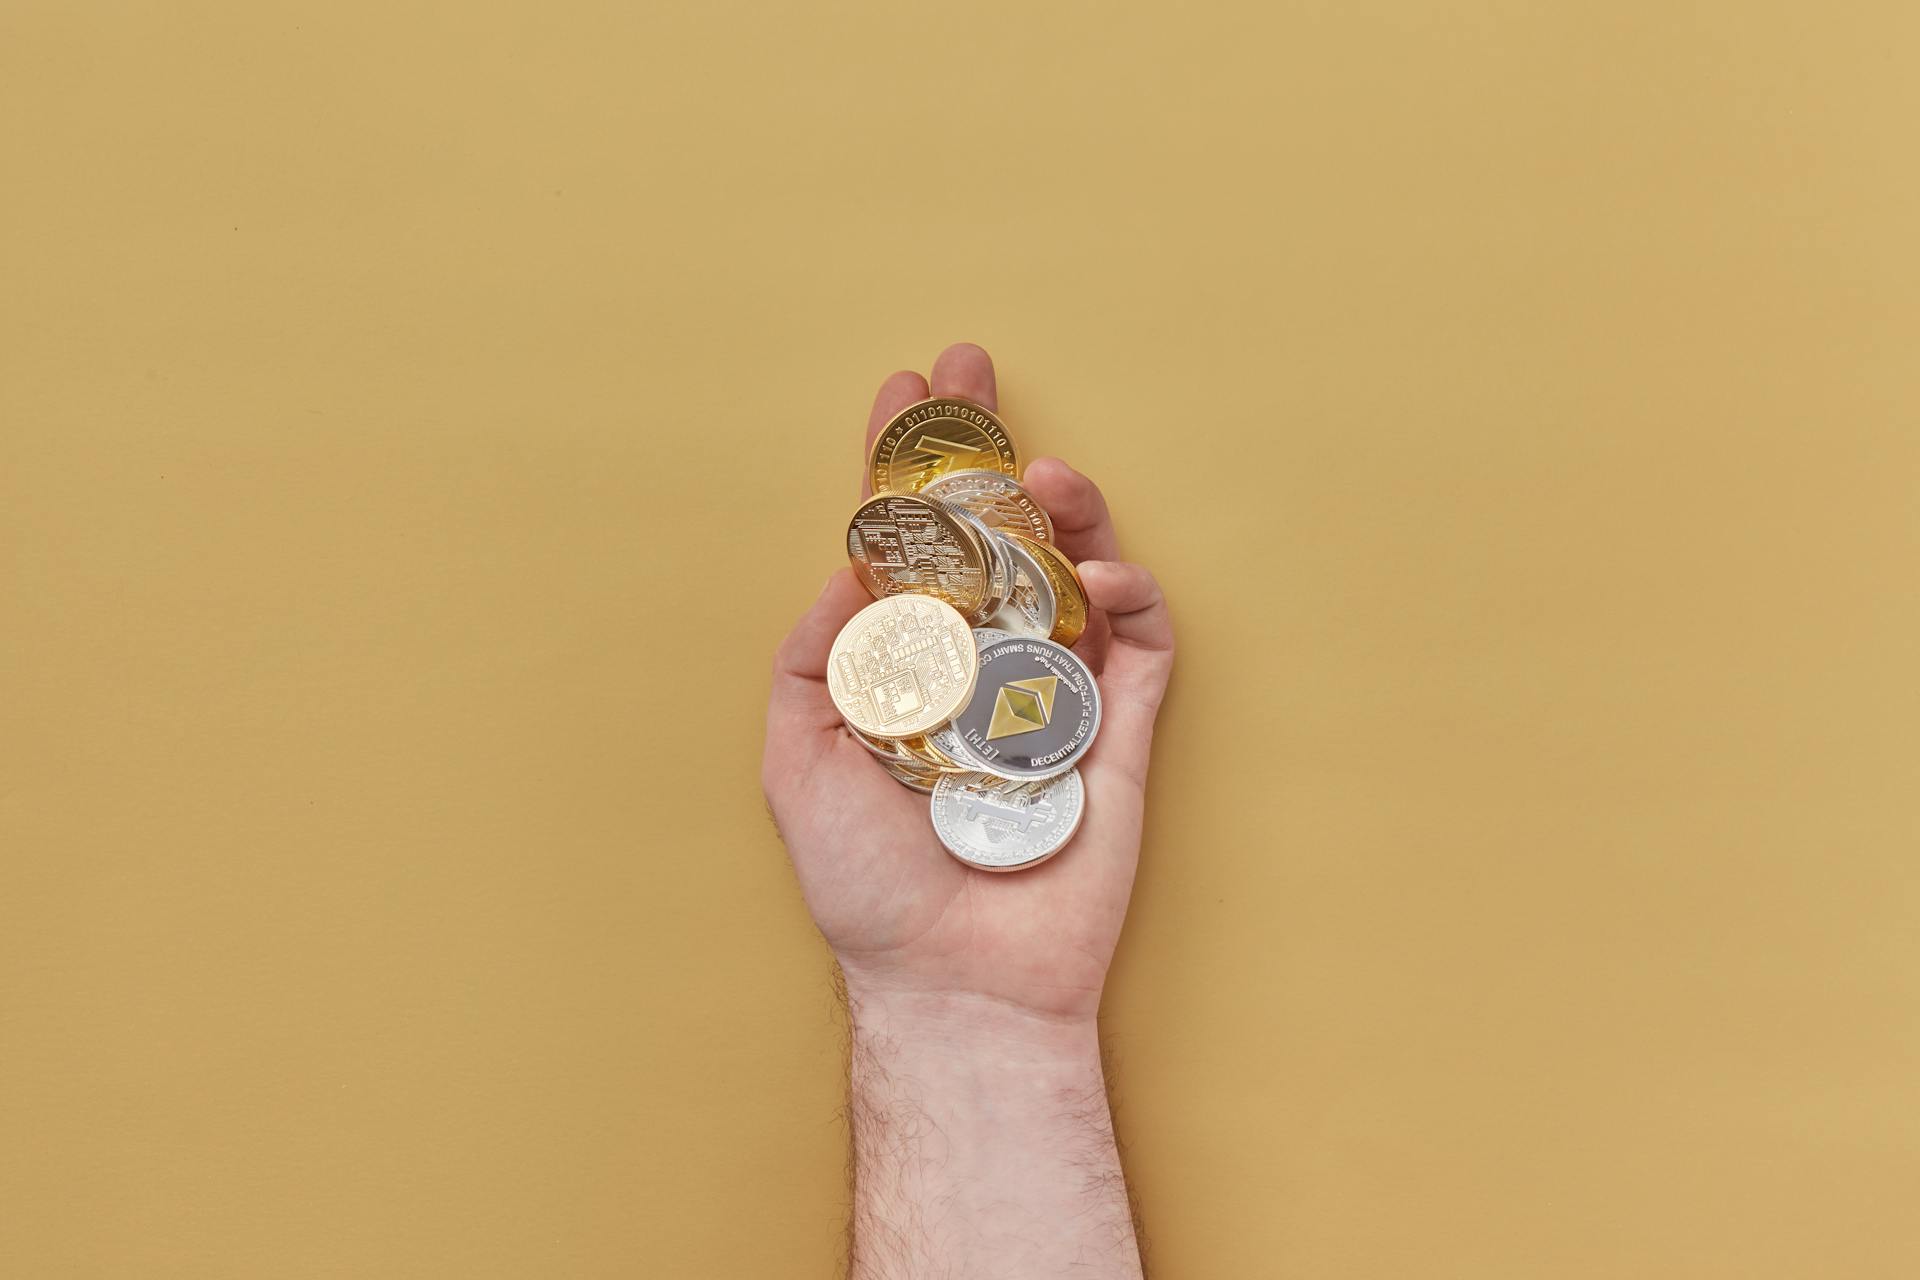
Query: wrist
x,y
966,1025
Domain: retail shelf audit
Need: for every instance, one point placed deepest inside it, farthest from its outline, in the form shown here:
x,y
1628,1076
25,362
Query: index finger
x,y
1081,524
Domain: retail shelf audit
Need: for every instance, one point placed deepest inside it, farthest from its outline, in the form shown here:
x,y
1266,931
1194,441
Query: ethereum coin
x,y
1000,501
901,544
998,825
902,666
1034,711
929,439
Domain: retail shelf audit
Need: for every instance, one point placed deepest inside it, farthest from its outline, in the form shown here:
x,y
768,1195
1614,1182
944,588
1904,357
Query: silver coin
x,y
983,636
998,499
1000,566
1030,608
998,825
1034,712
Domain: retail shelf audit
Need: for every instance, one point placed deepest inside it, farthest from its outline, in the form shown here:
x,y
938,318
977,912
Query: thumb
x,y
799,702
1139,659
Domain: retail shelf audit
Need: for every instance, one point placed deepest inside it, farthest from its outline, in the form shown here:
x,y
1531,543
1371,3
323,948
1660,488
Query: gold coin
x,y
1070,598
931,438
882,747
908,544
902,666
996,499
921,749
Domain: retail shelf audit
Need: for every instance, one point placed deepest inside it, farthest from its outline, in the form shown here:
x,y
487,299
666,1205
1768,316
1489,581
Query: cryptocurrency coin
x,y
902,666
1069,597
998,825
1030,607
1001,502
902,544
1034,712
926,440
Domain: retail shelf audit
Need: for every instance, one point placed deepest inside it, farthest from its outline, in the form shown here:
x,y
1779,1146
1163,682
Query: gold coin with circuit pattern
x,y
909,544
902,666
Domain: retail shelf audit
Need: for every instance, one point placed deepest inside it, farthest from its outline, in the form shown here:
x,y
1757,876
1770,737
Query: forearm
x,y
983,1144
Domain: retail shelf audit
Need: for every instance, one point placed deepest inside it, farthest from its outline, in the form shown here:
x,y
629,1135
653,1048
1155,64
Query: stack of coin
x,y
958,678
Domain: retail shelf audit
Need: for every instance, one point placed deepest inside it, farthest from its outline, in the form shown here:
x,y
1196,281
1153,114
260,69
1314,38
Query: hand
x,y
908,922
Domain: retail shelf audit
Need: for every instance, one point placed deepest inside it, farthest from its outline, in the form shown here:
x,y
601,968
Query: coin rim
x,y
1068,622
1015,548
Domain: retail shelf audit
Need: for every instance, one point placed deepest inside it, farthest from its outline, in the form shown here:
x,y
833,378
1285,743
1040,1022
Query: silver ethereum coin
x,y
1029,608
998,825
1034,712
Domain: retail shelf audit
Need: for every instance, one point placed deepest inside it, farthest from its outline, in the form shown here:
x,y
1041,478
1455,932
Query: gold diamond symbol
x,y
1021,706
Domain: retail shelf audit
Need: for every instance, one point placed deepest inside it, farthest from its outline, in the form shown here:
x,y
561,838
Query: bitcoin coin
x,y
902,666
1069,597
1001,502
902,544
998,825
1034,712
1030,608
927,440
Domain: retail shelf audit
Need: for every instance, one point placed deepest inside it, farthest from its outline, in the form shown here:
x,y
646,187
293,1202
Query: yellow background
x,y
421,421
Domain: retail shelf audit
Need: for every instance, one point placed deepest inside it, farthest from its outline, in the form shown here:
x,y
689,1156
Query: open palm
x,y
899,912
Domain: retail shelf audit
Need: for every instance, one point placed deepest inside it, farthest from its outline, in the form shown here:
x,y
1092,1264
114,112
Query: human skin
x,y
982,1139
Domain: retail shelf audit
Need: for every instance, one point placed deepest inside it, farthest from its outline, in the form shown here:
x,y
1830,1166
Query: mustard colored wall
x,y
418,422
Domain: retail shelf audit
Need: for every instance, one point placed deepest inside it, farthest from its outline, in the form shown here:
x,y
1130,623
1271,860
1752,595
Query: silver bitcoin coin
x,y
1034,712
998,825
